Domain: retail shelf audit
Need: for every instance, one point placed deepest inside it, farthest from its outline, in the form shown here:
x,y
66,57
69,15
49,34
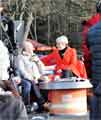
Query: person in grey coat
x,y
11,108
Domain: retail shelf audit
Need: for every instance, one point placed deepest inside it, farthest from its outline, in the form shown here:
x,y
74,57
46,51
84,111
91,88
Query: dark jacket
x,y
87,56
94,43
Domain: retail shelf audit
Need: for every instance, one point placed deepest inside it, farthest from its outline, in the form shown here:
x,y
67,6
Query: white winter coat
x,y
4,62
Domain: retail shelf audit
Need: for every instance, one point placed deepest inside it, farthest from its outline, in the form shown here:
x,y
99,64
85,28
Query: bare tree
x,y
61,14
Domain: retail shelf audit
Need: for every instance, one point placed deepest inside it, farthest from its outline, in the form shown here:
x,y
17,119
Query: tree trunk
x,y
35,27
27,29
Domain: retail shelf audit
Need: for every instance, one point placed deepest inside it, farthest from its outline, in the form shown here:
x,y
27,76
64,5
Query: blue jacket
x,y
94,44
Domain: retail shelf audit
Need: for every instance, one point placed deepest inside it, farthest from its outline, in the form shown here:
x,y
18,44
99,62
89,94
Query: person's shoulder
x,y
96,26
71,49
55,50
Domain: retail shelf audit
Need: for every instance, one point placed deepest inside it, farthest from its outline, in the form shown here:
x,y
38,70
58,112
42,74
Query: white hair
x,y
62,38
4,62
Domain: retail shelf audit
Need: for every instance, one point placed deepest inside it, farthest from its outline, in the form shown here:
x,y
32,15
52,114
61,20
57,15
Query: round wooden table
x,y
68,96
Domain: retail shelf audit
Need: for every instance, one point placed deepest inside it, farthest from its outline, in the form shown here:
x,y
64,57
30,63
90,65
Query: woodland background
x,y
46,19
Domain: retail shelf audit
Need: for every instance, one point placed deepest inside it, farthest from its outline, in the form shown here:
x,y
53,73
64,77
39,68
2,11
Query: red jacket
x,y
69,61
87,57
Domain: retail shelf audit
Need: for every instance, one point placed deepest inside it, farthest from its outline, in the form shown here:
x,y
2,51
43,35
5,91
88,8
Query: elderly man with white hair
x,y
30,69
65,59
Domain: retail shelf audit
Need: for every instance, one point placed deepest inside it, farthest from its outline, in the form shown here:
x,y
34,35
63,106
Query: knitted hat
x,y
62,39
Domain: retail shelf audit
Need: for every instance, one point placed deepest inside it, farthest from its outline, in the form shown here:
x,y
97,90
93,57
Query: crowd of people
x,y
31,70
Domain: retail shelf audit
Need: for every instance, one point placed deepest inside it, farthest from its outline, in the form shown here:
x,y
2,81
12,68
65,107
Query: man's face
x,y
29,48
61,45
